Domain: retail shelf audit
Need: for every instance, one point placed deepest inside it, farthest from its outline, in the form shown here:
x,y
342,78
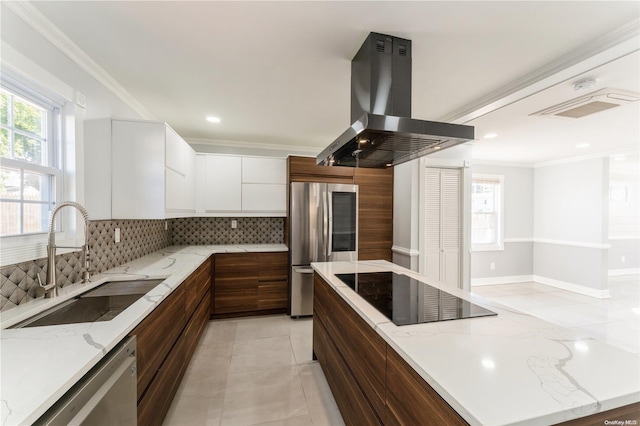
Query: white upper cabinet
x,y
180,175
137,170
240,186
264,170
223,183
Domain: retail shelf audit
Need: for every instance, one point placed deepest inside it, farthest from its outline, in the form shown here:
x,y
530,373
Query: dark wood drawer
x,y
156,335
351,401
236,266
155,403
272,295
304,169
198,283
363,350
235,295
196,326
273,266
411,401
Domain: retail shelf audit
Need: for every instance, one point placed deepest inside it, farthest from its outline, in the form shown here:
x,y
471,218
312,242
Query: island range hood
x,y
382,133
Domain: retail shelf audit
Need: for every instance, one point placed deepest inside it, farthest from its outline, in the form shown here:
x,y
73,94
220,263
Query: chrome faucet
x,y
50,288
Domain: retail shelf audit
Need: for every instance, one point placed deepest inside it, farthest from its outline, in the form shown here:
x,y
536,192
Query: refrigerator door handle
x,y
329,232
302,270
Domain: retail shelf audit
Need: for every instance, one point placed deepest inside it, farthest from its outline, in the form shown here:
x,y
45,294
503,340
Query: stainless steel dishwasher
x,y
106,395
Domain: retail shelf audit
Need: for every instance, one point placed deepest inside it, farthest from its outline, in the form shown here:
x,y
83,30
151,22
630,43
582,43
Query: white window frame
x,y
499,244
53,167
25,75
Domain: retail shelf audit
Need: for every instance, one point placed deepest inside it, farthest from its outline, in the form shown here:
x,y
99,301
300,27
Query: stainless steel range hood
x,y
382,133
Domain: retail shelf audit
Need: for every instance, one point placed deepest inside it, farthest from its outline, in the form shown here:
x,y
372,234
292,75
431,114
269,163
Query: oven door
x,y
342,222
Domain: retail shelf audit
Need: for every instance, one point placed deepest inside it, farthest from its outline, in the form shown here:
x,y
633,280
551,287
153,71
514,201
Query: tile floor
x,y
258,371
615,321
254,371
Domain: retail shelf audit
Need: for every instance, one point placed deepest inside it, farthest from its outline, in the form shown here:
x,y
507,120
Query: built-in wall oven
x,y
323,228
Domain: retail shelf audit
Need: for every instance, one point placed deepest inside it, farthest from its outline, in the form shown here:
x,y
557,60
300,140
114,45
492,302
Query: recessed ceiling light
x,y
490,135
213,119
488,363
583,145
437,147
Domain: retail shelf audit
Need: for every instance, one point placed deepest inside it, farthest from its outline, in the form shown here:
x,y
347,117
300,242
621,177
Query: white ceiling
x,y
278,73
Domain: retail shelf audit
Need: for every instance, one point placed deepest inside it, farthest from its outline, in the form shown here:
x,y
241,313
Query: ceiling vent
x,y
592,103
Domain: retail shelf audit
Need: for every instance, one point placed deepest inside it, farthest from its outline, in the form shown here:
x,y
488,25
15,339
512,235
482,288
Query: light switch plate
x,y
117,235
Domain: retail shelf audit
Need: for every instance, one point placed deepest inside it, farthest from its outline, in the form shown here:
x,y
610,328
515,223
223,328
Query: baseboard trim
x,y
576,288
405,251
620,272
563,285
501,280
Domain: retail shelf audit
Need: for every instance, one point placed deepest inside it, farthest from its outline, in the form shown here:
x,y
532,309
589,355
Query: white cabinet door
x,y
264,170
177,151
138,187
442,216
223,181
180,189
180,186
264,198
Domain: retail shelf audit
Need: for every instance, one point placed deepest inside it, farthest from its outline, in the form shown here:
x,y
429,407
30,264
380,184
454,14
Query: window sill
x,y
25,248
488,247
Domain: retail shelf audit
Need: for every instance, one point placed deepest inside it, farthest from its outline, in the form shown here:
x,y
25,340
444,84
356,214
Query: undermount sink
x,y
102,303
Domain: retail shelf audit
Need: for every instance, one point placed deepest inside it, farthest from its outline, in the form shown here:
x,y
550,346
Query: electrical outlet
x,y
234,224
117,235
166,225
492,266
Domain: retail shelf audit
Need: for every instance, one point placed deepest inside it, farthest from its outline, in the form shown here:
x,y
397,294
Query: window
x,y
487,212
29,170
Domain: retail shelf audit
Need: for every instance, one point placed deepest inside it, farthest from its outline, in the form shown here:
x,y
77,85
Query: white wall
x,y
515,262
100,102
571,225
624,215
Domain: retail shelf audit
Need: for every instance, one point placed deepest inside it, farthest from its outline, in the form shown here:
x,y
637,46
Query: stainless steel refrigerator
x,y
323,228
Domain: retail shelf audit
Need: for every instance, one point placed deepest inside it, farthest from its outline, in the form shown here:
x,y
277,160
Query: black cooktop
x,y
405,300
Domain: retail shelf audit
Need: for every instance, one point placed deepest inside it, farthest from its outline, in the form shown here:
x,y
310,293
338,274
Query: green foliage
x,y
27,118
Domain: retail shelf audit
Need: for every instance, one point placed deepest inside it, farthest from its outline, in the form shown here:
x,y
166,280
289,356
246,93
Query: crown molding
x,y
501,163
43,26
254,145
607,48
606,154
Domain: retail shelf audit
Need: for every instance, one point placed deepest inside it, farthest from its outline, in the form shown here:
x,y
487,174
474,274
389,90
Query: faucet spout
x,y
50,286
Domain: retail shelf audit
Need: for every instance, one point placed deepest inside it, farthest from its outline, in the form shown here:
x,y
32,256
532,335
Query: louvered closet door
x,y
442,225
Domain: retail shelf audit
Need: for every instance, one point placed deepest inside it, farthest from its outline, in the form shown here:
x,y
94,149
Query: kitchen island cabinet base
x,y
409,399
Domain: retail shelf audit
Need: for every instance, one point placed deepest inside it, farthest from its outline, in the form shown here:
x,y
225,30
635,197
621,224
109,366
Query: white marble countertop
x,y
509,369
39,364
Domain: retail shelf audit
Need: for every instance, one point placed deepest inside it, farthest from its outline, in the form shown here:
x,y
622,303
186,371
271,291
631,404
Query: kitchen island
x,y
494,370
39,365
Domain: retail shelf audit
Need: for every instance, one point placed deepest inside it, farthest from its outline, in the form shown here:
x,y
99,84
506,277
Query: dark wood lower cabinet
x,y
156,335
155,403
411,401
249,284
353,404
166,340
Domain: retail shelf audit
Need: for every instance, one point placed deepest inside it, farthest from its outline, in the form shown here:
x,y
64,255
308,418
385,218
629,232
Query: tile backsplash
x,y
195,231
18,283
